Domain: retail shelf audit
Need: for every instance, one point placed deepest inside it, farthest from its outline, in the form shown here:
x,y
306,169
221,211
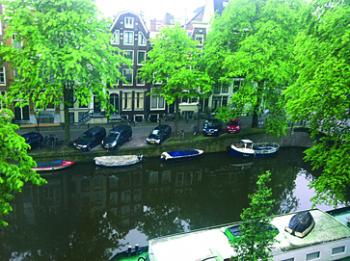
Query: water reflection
x,y
89,213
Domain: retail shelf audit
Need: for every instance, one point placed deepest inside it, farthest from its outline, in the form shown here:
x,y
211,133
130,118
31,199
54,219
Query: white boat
x,y
246,148
118,161
324,237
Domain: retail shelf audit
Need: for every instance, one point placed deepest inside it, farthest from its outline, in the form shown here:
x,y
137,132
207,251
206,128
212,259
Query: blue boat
x,y
181,154
247,149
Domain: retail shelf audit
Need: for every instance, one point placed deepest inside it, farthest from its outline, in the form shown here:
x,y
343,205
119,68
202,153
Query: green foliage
x,y
60,47
257,235
174,62
320,96
254,40
15,164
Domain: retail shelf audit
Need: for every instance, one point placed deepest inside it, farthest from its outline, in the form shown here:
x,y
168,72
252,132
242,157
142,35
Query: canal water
x,y
90,213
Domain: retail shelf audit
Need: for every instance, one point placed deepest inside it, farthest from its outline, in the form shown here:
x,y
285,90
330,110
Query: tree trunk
x,y
255,118
177,114
66,105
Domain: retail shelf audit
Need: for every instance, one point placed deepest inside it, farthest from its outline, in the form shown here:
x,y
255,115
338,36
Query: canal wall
x,y
208,144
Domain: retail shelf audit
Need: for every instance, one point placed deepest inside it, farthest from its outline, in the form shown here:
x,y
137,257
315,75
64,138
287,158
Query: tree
x,y
15,164
320,96
254,40
257,235
61,51
174,62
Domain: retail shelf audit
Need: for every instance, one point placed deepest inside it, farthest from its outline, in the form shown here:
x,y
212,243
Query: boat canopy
x,y
247,141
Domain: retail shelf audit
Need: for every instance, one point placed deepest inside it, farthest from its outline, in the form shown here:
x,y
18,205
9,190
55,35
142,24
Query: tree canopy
x,y
174,62
320,96
61,48
254,40
15,164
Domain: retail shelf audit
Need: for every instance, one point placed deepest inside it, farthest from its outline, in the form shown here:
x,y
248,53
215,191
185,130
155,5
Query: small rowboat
x,y
53,165
118,161
181,154
246,148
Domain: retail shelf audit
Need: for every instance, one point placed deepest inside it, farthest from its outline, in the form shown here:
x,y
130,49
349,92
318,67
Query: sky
x,y
150,8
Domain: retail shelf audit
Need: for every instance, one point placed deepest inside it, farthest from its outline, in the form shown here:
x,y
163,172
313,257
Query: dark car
x,y
91,138
212,127
159,134
34,139
233,126
117,136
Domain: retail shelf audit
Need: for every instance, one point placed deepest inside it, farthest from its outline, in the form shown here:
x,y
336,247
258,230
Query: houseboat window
x,y
338,250
313,256
289,259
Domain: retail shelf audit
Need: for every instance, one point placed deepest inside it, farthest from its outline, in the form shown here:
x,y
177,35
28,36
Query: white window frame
x,y
157,97
142,107
142,82
129,101
127,24
138,63
316,258
115,37
124,38
3,71
201,41
140,37
132,76
132,55
339,252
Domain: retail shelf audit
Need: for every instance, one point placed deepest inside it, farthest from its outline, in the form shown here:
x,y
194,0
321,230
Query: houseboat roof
x,y
326,229
212,242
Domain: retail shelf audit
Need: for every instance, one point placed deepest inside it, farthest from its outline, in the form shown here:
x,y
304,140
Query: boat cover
x,y
118,161
300,224
54,163
182,153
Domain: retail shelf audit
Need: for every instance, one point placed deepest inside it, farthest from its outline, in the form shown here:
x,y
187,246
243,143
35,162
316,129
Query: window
x,y
288,259
127,101
142,39
312,256
128,38
157,102
338,250
127,74
97,105
199,38
129,54
115,37
141,57
224,89
22,113
114,102
139,100
139,80
2,75
129,22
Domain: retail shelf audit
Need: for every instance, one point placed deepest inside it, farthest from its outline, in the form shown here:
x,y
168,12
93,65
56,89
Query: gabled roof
x,y
129,12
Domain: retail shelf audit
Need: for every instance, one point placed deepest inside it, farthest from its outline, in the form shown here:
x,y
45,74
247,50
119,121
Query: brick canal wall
x,y
208,144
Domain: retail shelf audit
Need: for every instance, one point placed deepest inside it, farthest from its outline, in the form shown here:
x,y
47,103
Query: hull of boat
x,y
259,151
53,165
118,161
181,154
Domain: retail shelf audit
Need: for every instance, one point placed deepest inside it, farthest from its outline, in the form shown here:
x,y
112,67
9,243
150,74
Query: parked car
x,y
212,127
117,136
159,134
34,139
233,126
91,138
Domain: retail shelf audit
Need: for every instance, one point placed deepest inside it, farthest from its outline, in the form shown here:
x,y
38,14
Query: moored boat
x,y
181,154
324,239
53,165
246,148
118,161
